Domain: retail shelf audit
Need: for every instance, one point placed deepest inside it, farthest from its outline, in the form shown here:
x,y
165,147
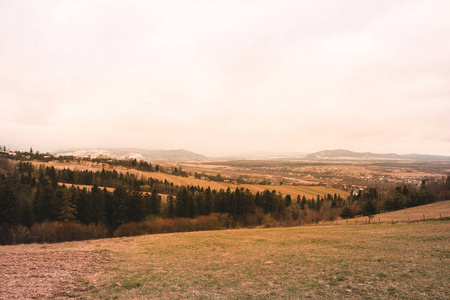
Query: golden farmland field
x,y
307,190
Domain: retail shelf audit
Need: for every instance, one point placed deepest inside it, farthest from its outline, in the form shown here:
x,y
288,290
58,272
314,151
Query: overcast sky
x,y
226,77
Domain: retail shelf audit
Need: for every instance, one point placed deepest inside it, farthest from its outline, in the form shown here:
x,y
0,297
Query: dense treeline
x,y
104,178
128,163
110,179
26,200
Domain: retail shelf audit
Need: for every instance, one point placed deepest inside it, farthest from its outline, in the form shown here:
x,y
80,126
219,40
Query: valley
x,y
249,254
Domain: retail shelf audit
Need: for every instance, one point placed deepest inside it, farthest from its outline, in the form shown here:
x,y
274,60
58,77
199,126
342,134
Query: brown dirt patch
x,y
46,275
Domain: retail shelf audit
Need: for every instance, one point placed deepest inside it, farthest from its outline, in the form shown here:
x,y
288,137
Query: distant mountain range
x,y
131,153
184,155
341,154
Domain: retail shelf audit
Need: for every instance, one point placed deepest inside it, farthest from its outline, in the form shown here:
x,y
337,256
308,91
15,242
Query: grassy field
x,y
419,213
383,261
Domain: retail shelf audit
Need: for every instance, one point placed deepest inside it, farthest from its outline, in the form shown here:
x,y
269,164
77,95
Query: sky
x,y
226,77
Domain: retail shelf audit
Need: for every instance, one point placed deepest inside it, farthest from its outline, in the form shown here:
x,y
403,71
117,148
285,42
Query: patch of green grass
x,y
392,290
404,276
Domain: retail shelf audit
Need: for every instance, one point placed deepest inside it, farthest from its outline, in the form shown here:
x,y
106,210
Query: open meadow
x,y
383,261
413,214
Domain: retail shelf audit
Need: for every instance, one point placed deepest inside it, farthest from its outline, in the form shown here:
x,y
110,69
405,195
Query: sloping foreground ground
x,y
381,261
419,213
44,274
427,212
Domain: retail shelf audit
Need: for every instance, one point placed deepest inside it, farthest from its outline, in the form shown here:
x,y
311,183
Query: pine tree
x,y
44,207
287,200
304,201
369,208
98,205
67,209
9,206
136,207
208,201
347,213
181,204
155,203
170,207
119,205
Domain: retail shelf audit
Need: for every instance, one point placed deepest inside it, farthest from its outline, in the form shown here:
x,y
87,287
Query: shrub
x,y
5,236
268,221
53,232
347,213
212,222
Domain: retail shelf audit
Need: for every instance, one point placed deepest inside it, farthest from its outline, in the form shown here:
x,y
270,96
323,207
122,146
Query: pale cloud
x,y
226,77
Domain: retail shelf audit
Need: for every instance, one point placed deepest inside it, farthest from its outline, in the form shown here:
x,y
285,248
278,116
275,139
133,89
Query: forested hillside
x,y
31,197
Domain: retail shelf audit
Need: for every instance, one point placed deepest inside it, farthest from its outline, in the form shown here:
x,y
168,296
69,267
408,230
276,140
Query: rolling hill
x,y
342,154
130,153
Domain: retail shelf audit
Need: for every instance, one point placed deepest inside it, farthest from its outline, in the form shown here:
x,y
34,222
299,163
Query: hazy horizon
x,y
248,154
226,78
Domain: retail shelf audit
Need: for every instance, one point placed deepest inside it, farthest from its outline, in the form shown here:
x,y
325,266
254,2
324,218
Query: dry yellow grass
x,y
385,261
294,191
307,191
418,213
429,211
